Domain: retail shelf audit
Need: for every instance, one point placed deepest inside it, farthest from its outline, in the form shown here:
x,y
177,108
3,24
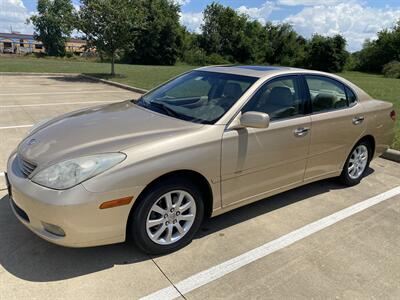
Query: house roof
x,y
22,36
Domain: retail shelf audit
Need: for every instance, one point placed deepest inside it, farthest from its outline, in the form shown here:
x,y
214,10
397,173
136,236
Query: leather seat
x,y
232,92
279,103
323,101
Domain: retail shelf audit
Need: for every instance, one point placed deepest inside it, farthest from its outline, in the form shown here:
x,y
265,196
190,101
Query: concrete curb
x,y
38,74
391,154
113,83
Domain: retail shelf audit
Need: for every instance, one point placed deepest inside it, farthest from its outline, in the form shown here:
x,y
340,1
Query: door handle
x,y
358,120
301,131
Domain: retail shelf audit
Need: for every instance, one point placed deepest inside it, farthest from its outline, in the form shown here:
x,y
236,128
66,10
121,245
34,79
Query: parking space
x,y
353,256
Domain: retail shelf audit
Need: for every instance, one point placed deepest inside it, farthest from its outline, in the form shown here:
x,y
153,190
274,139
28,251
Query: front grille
x,y
25,167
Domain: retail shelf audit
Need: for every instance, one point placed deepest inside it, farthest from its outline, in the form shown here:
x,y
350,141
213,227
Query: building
x,y
17,43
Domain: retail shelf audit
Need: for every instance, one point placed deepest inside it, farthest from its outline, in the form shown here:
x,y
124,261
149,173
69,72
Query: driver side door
x,y
259,162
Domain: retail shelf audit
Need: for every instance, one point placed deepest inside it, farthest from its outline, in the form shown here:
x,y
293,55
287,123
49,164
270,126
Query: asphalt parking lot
x,y
318,241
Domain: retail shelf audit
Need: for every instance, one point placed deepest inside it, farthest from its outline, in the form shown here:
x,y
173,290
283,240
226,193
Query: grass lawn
x,y
147,77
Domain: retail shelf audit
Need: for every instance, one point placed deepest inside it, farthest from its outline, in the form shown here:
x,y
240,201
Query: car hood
x,y
101,129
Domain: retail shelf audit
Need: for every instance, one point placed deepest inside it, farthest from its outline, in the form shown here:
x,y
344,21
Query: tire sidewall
x,y
139,217
345,177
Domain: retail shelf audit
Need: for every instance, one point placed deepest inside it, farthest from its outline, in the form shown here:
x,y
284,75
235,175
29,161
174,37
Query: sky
x,y
356,20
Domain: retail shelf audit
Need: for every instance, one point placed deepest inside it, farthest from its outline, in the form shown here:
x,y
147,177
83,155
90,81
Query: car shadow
x,y
30,258
270,204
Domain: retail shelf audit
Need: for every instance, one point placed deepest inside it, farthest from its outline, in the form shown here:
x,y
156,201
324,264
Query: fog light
x,y
53,229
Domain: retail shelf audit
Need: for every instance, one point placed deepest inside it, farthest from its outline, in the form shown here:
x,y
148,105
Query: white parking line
x,y
2,181
49,104
17,126
65,93
218,271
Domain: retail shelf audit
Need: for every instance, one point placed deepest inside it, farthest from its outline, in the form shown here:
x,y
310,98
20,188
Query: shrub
x,y
216,59
198,57
195,56
392,69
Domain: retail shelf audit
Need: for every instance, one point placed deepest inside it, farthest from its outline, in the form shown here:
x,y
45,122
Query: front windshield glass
x,y
198,96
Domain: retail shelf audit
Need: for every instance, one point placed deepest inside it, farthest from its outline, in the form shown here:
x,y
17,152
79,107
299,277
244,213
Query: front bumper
x,y
76,211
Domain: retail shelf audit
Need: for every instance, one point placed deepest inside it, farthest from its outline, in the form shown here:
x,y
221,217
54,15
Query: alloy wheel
x,y
358,162
171,217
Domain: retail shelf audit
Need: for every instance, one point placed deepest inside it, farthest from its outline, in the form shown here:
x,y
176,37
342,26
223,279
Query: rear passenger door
x,y
337,124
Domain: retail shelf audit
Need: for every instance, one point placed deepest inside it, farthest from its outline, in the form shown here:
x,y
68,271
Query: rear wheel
x,y
356,164
168,217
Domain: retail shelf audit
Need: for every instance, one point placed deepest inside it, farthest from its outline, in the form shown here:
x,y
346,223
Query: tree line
x,y
149,32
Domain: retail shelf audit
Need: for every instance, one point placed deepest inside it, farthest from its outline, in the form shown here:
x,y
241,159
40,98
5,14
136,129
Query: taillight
x,y
393,115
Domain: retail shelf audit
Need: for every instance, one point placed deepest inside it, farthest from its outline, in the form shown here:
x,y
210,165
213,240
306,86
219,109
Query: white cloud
x,y
306,2
13,14
353,20
259,13
192,20
181,2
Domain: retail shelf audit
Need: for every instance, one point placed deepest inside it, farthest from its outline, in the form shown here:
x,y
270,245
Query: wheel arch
x,y
371,141
201,180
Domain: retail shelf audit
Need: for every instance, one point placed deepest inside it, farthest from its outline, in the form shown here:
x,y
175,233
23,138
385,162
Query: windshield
x,y
198,96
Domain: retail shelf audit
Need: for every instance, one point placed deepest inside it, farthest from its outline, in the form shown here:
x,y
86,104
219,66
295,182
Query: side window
x,y
326,94
279,98
352,99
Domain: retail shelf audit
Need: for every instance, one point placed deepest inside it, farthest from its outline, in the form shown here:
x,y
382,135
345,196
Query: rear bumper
x,y
76,211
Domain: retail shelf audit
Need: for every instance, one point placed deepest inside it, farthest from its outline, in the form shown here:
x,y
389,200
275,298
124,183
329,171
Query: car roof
x,y
254,71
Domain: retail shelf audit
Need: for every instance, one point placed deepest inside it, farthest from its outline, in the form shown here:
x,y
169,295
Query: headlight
x,y
66,174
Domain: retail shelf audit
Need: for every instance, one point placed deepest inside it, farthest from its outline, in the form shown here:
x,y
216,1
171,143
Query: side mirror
x,y
252,119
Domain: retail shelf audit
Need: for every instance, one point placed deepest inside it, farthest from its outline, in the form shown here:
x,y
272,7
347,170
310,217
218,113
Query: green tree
x,y
53,24
110,25
375,54
239,39
160,39
224,33
282,45
326,53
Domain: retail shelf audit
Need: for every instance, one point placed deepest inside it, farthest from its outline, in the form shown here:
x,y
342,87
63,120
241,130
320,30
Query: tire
x,y
350,176
153,215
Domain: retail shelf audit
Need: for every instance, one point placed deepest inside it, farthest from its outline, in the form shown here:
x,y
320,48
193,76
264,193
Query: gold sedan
x,y
204,143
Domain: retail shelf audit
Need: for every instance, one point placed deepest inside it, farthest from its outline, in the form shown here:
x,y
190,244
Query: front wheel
x,y
356,164
167,217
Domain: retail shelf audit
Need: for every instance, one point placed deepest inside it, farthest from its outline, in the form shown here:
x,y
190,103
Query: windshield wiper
x,y
158,105
165,108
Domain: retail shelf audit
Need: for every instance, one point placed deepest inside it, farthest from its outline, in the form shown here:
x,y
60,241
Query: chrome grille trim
x,y
25,167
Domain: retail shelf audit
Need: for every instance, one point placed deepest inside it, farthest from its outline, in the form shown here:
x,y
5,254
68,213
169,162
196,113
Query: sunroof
x,y
259,68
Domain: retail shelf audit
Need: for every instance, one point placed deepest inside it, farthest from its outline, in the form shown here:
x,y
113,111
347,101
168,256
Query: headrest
x,y
232,90
323,101
281,96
